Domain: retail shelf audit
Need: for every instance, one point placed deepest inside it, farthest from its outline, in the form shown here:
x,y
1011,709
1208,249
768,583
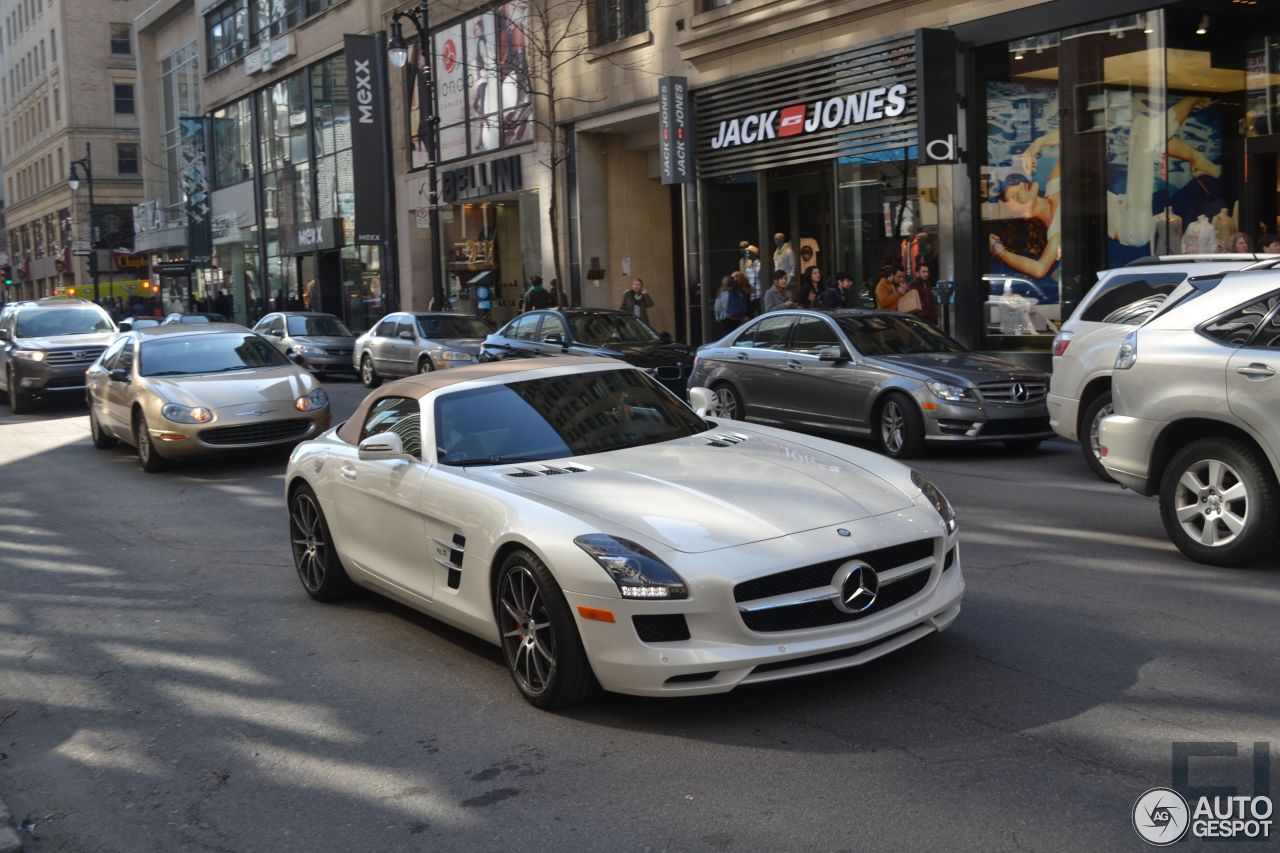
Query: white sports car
x,y
576,513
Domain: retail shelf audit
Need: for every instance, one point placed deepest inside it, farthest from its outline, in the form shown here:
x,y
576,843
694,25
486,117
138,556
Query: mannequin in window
x,y
784,258
1166,233
749,266
1224,225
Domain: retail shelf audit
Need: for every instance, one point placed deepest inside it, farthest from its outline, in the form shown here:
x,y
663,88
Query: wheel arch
x,y
882,394
501,552
1179,434
1092,389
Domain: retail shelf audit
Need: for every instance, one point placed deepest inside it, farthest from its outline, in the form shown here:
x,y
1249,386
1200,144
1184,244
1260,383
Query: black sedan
x,y
593,331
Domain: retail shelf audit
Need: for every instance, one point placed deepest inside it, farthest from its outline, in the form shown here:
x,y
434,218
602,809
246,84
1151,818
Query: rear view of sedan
x,y
879,374
183,391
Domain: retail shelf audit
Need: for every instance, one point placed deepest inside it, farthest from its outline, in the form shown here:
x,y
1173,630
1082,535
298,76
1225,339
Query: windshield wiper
x,y
167,373
492,460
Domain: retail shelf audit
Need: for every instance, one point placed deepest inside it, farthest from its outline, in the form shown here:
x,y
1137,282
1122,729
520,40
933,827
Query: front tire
x,y
314,556
101,439
540,640
1087,431
728,404
901,427
368,373
19,403
425,365
152,462
1218,502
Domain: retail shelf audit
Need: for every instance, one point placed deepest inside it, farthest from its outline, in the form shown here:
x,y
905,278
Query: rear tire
x,y
539,637
901,428
368,373
101,439
1219,502
1087,431
319,567
151,461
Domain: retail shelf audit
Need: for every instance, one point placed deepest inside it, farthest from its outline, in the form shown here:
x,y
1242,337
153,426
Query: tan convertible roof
x,y
423,384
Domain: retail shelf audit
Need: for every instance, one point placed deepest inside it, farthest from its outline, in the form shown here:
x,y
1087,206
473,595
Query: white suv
x,y
1197,416
1085,347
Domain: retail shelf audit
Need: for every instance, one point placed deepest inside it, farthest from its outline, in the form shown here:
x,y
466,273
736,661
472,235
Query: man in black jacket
x,y
833,298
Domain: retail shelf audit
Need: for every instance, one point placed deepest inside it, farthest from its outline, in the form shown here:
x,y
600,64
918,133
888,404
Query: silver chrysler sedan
x,y
405,343
872,373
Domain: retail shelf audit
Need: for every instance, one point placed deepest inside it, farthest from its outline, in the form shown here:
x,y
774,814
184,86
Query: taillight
x,y
1060,342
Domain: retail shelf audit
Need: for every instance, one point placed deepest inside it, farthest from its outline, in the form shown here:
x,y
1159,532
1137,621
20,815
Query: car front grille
x,y
1015,427
669,373
820,574
81,355
819,614
264,432
1015,393
338,351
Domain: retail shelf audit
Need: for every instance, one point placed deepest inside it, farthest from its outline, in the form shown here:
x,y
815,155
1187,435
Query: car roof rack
x,y
1154,260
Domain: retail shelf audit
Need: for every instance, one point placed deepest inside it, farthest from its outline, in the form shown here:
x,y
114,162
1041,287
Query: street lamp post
x,y
73,180
398,54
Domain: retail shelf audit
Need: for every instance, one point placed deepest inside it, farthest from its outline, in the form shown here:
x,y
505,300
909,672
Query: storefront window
x,y
233,143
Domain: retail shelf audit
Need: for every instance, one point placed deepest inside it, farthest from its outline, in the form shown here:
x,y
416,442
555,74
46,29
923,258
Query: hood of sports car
x,y
695,496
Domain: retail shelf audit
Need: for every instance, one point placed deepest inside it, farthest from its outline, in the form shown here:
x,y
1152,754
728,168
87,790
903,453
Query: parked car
x,y
1044,297
872,373
1084,351
1197,416
46,345
180,391
405,343
321,342
194,318
578,515
594,332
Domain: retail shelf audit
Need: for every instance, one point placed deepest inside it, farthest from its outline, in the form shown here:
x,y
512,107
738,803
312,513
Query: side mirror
x,y
836,354
118,374
122,326
665,337
295,358
4,335
701,400
555,339
405,336
384,445
276,333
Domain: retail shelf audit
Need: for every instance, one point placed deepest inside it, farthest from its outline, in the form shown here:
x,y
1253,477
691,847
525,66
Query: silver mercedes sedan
x,y
872,373
405,343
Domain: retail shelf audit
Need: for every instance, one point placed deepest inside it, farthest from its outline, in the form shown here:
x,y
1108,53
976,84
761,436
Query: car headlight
x,y
313,402
946,391
29,354
937,498
637,572
450,355
303,349
187,414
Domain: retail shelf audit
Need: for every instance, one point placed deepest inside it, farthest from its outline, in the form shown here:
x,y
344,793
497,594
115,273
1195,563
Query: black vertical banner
x,y
370,124
195,186
675,120
938,96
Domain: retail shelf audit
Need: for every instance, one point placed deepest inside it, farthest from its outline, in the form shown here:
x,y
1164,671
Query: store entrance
x,y
325,268
1262,189
799,208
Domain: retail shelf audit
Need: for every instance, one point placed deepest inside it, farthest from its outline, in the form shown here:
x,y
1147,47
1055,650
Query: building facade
x,y
68,92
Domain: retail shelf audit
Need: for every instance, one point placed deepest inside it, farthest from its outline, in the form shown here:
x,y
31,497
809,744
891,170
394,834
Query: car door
x,y
117,396
521,338
817,393
377,502
552,324
96,381
380,343
1253,386
763,367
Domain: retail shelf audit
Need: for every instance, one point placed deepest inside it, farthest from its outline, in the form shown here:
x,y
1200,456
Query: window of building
x,y
53,45
179,96
126,158
57,105
618,19
273,17
226,33
121,40
123,95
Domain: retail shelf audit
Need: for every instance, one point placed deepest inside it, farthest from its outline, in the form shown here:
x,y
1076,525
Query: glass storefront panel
x,y
484,258
734,223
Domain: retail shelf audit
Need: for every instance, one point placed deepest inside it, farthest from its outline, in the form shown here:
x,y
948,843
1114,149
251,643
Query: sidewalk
x,y
9,842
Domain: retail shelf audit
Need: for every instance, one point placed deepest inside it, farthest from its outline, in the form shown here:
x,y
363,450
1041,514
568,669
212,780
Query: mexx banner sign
x,y
194,152
675,122
370,124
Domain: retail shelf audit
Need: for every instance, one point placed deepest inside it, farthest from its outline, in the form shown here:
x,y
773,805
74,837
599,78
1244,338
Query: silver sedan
x,y
872,373
405,343
319,341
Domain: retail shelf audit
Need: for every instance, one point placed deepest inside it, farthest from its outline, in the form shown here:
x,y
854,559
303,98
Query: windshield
x,y
317,327
56,322
190,354
556,417
452,327
601,330
887,335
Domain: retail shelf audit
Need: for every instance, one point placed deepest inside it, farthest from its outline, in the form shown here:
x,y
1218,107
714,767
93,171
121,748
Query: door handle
x,y
795,365
742,356
1256,371
348,471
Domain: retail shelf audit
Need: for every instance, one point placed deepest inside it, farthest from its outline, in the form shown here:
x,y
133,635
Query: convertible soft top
x,y
421,384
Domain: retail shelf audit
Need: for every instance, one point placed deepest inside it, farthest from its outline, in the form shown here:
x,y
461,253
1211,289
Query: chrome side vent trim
x,y
546,470
726,439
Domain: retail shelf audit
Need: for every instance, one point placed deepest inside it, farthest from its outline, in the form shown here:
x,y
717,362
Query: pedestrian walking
x,y
835,297
536,296
637,301
890,289
810,288
777,297
730,307
923,289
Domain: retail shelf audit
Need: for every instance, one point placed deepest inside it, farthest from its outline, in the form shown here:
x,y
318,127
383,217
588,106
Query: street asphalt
x,y
166,685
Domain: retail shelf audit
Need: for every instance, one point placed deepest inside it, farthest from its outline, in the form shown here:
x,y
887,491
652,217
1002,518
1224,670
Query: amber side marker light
x,y
929,407
595,614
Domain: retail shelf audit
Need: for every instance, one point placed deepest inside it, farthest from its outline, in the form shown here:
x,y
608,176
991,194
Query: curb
x,y
9,842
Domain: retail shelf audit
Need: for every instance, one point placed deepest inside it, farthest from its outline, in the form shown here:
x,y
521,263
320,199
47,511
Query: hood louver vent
x,y
722,439
547,471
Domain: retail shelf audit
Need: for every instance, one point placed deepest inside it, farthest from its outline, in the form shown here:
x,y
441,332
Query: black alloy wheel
x,y
1087,431
540,640
368,374
901,428
150,459
318,565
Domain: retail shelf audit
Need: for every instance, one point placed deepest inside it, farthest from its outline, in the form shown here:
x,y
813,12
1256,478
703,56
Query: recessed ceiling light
x,y
1204,26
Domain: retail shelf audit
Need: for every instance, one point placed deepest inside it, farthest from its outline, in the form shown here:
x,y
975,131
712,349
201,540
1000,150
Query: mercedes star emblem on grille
x,y
858,584
1020,392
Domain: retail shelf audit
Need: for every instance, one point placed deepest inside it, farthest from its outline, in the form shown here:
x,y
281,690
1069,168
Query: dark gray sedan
x,y
872,373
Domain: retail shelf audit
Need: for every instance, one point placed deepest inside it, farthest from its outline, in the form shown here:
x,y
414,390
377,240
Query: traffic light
x,y
8,275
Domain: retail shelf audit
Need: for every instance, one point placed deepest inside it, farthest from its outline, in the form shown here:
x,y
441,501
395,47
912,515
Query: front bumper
x,y
38,377
321,363
188,441
980,422
1063,414
1126,447
721,652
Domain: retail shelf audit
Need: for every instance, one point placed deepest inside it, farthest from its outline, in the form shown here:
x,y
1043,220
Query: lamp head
x,y
73,180
397,53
